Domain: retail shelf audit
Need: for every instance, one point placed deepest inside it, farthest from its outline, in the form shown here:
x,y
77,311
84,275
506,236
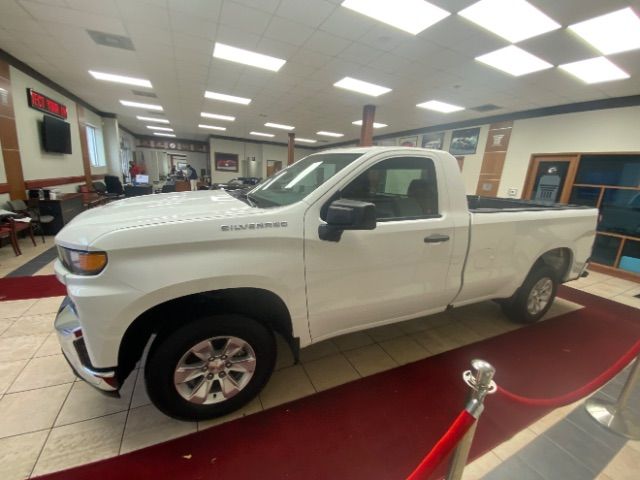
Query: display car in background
x,y
341,241
240,183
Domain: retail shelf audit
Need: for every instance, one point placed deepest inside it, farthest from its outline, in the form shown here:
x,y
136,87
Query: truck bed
x,y
478,204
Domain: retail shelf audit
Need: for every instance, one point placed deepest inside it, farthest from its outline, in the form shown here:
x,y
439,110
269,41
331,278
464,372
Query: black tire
x,y
171,349
517,308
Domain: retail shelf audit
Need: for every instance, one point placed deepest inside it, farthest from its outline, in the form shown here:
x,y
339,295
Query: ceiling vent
x,y
144,94
111,40
486,108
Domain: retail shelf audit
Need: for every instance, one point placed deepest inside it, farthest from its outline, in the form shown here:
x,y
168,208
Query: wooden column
x,y
292,139
86,159
366,132
9,138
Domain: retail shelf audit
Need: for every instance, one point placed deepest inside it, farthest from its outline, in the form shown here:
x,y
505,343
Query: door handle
x,y
436,238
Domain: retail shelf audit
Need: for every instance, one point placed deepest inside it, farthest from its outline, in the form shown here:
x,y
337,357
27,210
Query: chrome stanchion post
x,y
616,416
480,380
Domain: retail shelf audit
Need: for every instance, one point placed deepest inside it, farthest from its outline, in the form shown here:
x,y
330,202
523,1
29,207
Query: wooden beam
x,y
291,147
366,132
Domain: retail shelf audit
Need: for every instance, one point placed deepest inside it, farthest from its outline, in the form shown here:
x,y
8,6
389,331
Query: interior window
x,y
401,188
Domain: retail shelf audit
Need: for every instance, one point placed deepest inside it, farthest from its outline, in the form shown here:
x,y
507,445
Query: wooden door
x,y
550,178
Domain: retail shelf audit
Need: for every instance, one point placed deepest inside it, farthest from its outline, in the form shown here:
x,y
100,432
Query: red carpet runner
x,y
37,286
380,427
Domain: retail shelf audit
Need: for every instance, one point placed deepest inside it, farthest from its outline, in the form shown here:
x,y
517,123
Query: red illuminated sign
x,y
45,104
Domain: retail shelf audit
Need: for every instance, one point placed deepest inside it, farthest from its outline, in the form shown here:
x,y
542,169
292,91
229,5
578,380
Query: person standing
x,y
193,177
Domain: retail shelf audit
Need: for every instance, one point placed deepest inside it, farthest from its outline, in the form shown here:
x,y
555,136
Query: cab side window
x,y
401,188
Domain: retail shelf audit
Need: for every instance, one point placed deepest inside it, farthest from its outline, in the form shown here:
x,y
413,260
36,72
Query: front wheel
x,y
210,367
534,298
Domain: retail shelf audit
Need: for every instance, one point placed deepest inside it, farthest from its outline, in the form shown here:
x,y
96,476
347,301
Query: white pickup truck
x,y
341,241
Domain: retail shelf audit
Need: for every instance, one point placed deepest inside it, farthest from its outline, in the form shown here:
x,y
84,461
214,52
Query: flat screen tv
x,y
56,135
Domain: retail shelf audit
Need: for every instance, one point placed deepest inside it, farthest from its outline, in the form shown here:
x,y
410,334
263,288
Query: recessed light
x,y
226,118
147,106
330,134
260,134
375,125
212,127
164,134
305,140
438,106
226,98
247,57
412,16
164,129
514,61
514,20
279,125
110,77
611,33
152,119
595,70
360,86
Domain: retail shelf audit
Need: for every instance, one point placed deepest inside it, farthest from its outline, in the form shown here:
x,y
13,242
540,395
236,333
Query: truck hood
x,y
149,210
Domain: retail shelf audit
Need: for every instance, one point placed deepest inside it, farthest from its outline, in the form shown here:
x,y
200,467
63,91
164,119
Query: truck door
x,y
396,271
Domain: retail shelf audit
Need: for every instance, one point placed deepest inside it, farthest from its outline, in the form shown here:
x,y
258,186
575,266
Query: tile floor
x,y
49,421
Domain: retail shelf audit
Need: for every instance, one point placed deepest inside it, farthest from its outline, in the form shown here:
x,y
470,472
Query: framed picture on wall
x,y
433,140
464,142
385,142
226,162
409,141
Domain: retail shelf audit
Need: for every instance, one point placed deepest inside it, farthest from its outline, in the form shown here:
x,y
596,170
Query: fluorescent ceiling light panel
x,y
360,86
595,70
305,140
514,61
247,57
375,125
164,134
215,116
152,119
441,107
611,33
164,129
226,98
330,134
260,134
514,20
110,77
412,16
146,106
212,127
279,125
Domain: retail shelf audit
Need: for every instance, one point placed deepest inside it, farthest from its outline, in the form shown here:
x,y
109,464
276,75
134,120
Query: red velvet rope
x,y
447,442
590,387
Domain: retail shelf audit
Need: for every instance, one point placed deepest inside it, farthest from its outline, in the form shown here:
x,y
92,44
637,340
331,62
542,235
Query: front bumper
x,y
71,340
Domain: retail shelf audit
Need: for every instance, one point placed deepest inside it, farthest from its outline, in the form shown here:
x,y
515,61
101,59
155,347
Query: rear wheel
x,y
534,298
210,367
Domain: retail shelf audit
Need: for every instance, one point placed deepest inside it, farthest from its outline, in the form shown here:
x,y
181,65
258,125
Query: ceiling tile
x,y
204,9
288,31
326,43
311,13
244,18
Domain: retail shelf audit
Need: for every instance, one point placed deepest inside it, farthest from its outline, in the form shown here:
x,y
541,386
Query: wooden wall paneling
x,y
495,153
9,137
86,160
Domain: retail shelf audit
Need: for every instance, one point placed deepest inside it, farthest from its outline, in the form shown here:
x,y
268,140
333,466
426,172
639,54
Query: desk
x,y
63,209
137,190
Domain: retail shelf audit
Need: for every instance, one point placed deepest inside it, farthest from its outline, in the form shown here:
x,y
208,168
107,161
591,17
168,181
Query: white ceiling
x,y
322,43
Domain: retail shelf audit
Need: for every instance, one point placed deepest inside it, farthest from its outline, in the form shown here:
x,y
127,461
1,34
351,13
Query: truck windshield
x,y
300,179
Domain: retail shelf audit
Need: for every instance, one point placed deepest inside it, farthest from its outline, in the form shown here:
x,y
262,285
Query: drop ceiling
x,y
173,42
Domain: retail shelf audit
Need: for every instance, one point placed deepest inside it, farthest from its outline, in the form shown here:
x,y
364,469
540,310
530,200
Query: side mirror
x,y
347,215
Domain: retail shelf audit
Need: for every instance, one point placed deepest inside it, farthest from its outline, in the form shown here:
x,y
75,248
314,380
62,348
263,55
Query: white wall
x,y
37,163
612,130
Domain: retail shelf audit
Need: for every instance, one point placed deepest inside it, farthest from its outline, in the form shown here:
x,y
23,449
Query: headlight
x,y
82,263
